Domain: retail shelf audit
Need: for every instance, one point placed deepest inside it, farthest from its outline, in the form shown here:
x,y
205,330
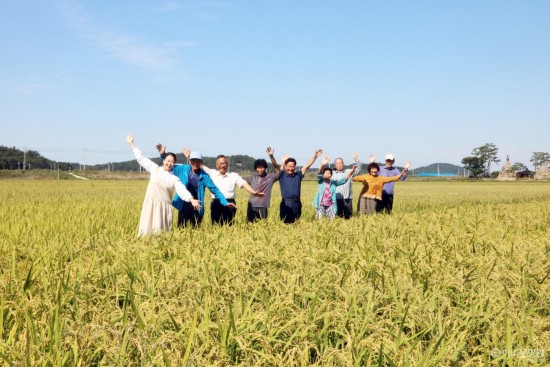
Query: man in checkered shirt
x,y
344,194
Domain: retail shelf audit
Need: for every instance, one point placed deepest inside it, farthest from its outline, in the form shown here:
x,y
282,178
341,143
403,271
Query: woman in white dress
x,y
156,213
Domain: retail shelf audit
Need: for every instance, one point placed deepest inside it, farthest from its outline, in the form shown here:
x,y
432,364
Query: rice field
x,y
458,275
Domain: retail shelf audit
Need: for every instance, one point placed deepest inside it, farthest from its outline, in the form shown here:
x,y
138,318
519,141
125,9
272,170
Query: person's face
x,y
290,167
221,165
327,175
260,170
339,164
389,163
168,163
373,172
195,164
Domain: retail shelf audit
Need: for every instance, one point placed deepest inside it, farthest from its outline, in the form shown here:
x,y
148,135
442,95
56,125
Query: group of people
x,y
333,197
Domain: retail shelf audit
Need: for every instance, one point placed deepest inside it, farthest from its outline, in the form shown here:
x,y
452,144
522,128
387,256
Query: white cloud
x,y
171,6
122,47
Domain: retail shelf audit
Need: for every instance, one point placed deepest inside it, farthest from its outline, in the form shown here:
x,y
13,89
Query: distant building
x,y
542,173
524,174
507,173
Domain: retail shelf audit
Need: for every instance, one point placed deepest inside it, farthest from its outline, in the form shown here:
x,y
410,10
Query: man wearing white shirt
x,y
227,182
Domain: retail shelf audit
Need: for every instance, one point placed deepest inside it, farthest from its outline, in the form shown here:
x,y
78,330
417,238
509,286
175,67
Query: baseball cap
x,y
390,157
195,155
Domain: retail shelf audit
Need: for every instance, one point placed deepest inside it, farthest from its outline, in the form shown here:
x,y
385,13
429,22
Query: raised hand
x,y
161,148
355,156
270,151
186,152
351,172
407,165
129,138
372,158
325,160
284,158
318,153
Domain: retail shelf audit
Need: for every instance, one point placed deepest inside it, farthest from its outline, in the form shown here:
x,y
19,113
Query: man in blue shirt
x,y
386,205
195,179
290,183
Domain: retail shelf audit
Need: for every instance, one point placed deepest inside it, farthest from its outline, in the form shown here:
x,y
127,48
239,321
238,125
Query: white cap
x,y
390,157
195,155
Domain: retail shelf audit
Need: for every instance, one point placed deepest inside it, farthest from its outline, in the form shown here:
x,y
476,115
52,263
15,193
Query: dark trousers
x,y
222,214
255,213
189,216
386,205
345,208
290,210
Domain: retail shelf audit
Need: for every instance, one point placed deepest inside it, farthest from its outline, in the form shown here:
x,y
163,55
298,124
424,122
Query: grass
x,y
458,270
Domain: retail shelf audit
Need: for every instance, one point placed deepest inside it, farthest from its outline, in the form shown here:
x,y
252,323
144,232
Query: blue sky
x,y
425,80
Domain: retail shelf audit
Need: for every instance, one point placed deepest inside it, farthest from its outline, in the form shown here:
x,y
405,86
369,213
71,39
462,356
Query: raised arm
x,y
270,153
208,170
146,163
324,162
351,172
186,152
405,171
358,164
316,155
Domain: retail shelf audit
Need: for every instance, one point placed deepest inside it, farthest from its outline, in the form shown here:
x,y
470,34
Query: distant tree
x,y
519,166
475,165
539,158
488,154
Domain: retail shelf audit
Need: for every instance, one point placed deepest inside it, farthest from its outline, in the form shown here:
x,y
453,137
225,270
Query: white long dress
x,y
156,213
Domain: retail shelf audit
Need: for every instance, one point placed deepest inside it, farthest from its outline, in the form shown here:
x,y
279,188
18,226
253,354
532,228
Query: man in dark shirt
x,y
290,182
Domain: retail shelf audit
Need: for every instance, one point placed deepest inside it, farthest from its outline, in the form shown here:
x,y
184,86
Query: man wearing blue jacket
x,y
386,205
195,179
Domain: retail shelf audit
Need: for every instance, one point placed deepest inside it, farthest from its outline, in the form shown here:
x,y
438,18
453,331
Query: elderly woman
x,y
371,194
156,213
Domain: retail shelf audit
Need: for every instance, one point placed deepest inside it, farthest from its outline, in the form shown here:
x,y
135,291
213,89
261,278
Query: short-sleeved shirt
x,y
262,184
291,185
226,183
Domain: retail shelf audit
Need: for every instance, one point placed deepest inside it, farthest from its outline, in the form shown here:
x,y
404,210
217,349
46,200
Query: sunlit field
x,y
458,275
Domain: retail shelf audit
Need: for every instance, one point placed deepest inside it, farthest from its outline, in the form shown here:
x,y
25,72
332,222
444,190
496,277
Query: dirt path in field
x,y
79,177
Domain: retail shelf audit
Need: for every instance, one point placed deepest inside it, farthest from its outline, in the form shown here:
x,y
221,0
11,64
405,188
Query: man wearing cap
x,y
195,179
386,205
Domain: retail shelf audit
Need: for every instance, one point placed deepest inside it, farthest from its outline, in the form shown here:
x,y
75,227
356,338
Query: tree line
x,y
13,158
479,162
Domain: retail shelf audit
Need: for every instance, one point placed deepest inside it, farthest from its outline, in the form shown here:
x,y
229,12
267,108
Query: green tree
x,y
519,166
475,165
488,154
539,158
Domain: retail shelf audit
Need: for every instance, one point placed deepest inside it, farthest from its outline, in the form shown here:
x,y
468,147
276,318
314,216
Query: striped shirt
x,y
345,191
